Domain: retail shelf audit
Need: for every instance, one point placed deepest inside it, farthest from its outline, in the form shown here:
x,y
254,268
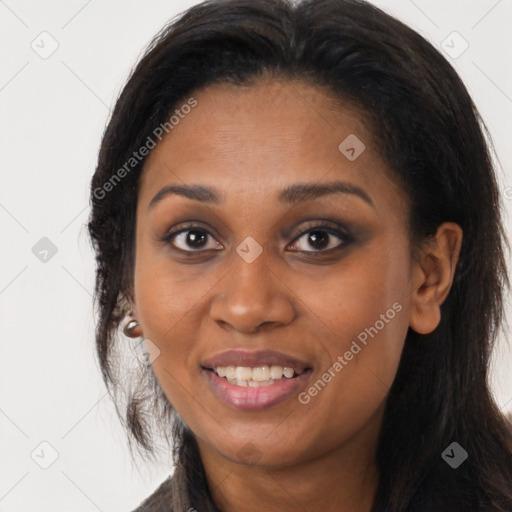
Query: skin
x,y
249,143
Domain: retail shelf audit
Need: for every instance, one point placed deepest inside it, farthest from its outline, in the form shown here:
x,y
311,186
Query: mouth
x,y
254,380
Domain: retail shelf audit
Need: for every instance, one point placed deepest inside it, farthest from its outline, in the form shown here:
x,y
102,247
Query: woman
x,y
295,209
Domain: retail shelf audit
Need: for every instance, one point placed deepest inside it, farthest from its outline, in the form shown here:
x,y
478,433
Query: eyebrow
x,y
293,194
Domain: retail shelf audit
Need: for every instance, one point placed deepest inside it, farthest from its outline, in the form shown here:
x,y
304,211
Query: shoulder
x,y
160,500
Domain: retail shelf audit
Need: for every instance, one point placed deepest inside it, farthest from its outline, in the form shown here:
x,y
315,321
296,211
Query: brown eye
x,y
191,240
321,238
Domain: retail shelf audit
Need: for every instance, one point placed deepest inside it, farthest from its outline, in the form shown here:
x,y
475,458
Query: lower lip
x,y
253,399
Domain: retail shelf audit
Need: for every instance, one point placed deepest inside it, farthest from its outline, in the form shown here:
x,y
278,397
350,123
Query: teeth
x,y
250,383
230,372
259,375
276,372
288,372
243,373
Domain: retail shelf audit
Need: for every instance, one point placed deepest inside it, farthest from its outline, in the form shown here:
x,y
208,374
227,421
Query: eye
x,y
191,239
320,238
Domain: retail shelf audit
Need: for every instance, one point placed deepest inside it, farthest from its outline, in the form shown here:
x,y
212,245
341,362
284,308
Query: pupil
x,y
319,239
194,236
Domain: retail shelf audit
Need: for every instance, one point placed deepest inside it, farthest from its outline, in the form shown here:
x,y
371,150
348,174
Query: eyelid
x,y
189,225
326,225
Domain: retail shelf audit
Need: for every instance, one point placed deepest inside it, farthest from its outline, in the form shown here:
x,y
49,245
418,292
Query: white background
x,y
54,111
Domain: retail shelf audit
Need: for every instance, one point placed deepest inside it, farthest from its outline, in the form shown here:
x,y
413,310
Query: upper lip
x,y
241,357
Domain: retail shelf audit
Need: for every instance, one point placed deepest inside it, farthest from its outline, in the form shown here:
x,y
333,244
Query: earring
x,y
131,329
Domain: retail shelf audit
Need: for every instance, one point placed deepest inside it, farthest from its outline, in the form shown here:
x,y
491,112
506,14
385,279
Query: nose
x,y
252,297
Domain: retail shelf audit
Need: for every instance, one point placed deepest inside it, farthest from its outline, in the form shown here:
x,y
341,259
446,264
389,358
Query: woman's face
x,y
273,260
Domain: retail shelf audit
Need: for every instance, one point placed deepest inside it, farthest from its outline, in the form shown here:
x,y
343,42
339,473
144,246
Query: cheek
x,y
165,295
167,307
354,294
363,311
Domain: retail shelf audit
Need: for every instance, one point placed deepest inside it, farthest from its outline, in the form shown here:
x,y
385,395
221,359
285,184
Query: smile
x,y
253,395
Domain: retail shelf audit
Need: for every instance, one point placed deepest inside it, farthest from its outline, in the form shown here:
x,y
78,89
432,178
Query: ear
x,y
432,277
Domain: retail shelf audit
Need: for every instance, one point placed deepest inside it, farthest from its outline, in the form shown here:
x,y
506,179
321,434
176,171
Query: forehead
x,y
264,136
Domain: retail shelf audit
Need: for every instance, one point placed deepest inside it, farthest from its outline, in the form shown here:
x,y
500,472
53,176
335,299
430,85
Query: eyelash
x,y
321,226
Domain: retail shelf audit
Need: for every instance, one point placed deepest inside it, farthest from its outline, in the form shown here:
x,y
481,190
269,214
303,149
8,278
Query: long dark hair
x,y
429,132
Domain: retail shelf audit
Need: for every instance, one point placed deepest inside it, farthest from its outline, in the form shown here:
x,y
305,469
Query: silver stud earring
x,y
130,327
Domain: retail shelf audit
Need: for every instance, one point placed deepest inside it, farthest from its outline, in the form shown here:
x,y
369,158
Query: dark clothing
x,y
164,499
